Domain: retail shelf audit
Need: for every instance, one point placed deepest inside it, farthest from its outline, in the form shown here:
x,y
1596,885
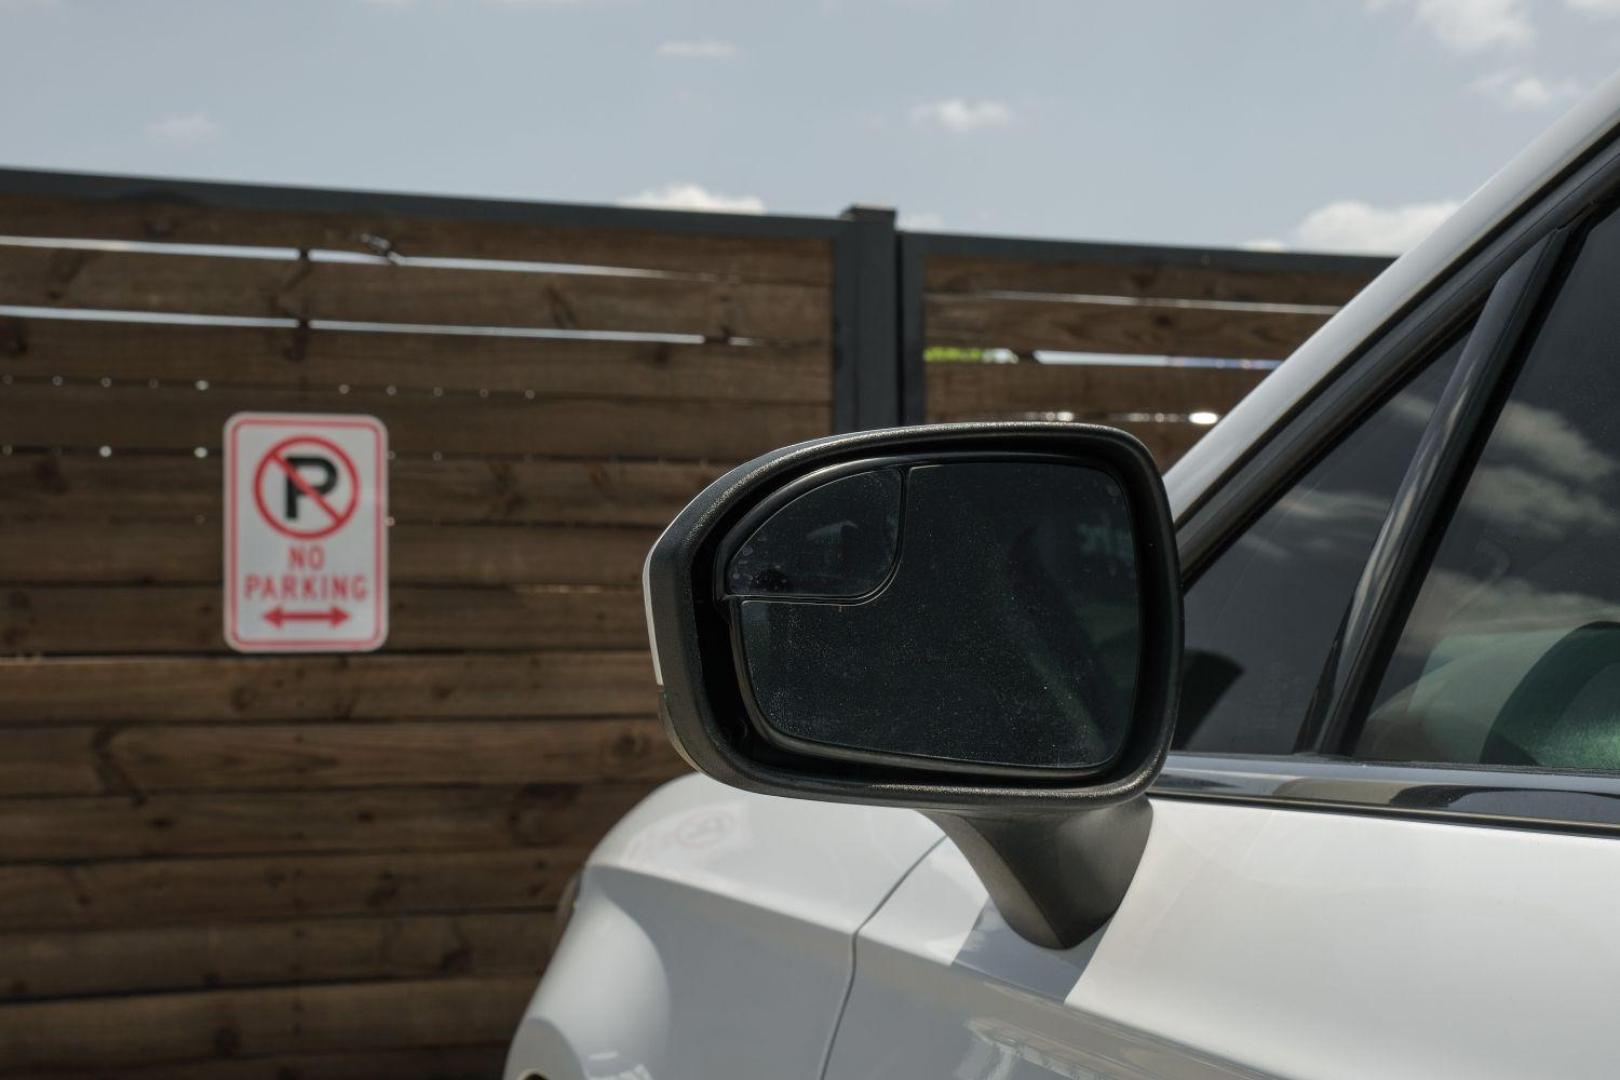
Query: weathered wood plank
x,y
81,897
514,555
1083,326
1166,442
987,397
382,292
183,552
1146,280
211,956
325,359
85,487
474,232
375,687
380,819
238,757
959,390
49,762
111,1032
416,1063
186,618
125,418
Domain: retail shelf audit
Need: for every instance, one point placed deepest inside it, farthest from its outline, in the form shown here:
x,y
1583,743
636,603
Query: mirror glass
x,y
836,540
980,613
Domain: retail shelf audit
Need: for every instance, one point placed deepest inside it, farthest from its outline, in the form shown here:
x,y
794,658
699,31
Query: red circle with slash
x,y
276,456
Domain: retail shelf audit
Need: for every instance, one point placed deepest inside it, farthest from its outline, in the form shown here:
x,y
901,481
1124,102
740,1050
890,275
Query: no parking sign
x,y
306,541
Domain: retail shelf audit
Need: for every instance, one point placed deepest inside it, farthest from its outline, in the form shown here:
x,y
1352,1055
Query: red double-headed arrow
x,y
332,616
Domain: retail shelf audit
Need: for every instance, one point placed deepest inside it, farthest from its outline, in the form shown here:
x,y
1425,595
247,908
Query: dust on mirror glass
x,y
975,612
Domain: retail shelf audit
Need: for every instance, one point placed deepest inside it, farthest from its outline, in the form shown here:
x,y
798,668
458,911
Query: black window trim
x,y
1521,257
1526,798
1444,458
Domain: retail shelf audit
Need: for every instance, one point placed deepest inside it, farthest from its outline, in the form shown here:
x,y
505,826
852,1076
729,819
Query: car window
x,y
1511,652
1261,619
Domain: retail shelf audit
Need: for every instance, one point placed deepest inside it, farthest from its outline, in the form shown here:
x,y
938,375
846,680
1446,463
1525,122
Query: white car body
x,y
726,936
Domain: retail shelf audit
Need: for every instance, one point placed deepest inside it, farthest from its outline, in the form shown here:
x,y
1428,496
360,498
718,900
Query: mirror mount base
x,y
1055,878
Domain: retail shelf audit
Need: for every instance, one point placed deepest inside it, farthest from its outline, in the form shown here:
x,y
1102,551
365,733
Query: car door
x,y
1385,845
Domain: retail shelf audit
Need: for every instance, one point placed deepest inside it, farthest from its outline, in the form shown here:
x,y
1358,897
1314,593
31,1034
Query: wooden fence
x,y
225,866
1221,320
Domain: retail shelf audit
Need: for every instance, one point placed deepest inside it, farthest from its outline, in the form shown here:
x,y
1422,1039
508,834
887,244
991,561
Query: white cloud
x,y
1596,7
958,115
707,49
1528,503
184,129
1543,440
687,196
1469,25
1525,92
1351,225
1354,226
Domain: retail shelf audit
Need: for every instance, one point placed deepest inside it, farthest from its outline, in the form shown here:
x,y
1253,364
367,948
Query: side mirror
x,y
979,621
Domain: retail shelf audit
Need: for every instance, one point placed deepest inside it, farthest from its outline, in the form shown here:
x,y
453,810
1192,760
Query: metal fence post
x,y
913,341
866,332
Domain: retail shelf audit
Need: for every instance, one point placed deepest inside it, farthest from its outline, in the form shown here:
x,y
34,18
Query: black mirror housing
x,y
979,621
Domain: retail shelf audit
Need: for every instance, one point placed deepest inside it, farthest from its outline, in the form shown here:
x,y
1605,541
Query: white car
x,y
1376,836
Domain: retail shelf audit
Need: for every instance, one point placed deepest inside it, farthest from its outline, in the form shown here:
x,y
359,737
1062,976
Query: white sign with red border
x,y
306,533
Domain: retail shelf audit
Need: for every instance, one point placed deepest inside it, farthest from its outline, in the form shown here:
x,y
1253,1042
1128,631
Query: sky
x,y
1329,125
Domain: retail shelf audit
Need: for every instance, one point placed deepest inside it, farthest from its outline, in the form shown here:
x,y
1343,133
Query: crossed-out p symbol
x,y
306,487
